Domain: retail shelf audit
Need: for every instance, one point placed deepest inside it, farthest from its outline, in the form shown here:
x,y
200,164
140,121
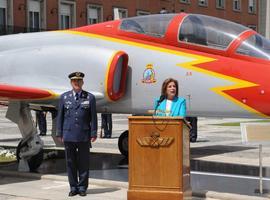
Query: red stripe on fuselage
x,y
15,92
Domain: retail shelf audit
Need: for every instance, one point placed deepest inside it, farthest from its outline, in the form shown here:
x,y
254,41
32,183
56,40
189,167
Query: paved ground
x,y
224,144
215,143
15,186
217,147
30,189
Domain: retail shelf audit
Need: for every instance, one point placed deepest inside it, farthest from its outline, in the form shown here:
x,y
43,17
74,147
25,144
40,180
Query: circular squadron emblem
x,y
149,74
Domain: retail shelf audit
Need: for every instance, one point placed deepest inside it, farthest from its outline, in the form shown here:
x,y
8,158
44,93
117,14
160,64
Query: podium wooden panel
x,y
159,159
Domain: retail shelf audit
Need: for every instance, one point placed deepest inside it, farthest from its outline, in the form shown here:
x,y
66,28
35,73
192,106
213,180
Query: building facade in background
x,y
264,18
37,15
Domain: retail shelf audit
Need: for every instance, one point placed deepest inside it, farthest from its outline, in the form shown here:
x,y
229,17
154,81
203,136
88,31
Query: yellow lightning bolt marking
x,y
53,94
237,83
197,59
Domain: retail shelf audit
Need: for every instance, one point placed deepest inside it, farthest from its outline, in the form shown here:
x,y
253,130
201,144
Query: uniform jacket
x,y
77,120
178,108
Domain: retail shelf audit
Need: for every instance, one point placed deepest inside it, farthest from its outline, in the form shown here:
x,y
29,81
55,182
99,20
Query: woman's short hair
x,y
165,84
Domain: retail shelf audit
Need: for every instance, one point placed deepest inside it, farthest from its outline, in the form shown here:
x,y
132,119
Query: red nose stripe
x,y
16,92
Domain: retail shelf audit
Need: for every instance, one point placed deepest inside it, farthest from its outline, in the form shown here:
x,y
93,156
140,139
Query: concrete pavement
x,y
219,149
47,189
30,186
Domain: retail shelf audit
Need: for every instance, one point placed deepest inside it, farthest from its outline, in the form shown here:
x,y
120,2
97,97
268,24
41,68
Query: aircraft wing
x,y
33,94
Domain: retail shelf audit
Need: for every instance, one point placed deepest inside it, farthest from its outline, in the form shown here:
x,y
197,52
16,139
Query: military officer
x,y
77,128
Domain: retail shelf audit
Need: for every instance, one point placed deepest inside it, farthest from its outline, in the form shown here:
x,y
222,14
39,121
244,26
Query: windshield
x,y
153,25
255,46
209,31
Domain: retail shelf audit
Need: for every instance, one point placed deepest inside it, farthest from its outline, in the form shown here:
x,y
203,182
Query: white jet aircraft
x,y
222,68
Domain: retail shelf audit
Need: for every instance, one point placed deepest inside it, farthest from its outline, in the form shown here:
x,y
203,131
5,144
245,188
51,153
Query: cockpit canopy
x,y
152,25
209,31
202,30
255,46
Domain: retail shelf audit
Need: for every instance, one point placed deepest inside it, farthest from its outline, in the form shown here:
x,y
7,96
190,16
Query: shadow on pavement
x,y
8,180
102,190
197,152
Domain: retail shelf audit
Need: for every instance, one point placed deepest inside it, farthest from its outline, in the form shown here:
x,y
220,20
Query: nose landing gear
x,y
30,149
29,153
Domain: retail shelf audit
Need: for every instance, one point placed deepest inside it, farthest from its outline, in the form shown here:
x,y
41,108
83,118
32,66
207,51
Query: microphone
x,y
161,98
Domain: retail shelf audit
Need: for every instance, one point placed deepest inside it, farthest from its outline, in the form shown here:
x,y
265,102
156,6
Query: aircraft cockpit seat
x,y
191,38
193,31
132,26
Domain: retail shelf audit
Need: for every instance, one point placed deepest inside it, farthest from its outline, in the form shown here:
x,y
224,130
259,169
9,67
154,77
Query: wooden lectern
x,y
159,159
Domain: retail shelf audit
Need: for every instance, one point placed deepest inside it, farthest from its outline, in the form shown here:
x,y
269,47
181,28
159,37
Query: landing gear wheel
x,y
34,161
123,143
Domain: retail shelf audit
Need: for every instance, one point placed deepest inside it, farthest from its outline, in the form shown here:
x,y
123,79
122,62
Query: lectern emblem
x,y
155,141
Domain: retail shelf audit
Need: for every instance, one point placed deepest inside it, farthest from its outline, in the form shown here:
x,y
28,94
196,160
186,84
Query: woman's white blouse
x,y
168,107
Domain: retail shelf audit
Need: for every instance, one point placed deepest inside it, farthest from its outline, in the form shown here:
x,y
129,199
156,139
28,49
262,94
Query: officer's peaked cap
x,y
76,75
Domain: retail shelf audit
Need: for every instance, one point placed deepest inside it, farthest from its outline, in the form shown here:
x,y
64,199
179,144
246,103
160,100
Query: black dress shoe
x,y
82,193
72,193
193,140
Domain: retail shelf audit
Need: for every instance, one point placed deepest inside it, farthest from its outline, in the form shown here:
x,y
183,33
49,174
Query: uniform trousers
x,y
106,124
77,161
41,121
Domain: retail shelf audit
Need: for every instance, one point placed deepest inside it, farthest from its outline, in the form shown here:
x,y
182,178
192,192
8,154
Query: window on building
x,y
141,12
34,20
34,15
253,27
94,14
65,16
220,4
185,1
65,21
203,2
163,11
2,17
122,12
236,5
3,14
252,6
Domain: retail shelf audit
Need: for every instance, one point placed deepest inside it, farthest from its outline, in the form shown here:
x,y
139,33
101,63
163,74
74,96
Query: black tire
x,y
123,143
35,161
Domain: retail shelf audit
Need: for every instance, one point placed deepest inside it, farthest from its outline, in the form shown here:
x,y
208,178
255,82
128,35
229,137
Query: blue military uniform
x,y
76,124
